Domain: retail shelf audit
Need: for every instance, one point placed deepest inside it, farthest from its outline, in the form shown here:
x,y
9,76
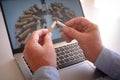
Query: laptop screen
x,y
22,17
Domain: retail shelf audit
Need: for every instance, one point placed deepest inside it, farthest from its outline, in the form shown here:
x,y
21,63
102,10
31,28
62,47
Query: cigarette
x,y
24,34
52,26
37,7
25,19
20,24
56,19
31,24
28,12
38,24
36,17
34,10
25,16
60,23
26,39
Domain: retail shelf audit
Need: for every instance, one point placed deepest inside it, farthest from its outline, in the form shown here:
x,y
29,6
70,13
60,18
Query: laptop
x,y
22,17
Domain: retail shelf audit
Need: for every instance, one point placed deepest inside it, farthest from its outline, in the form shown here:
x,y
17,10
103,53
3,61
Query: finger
x,y
79,20
74,21
48,40
37,35
72,33
81,24
68,39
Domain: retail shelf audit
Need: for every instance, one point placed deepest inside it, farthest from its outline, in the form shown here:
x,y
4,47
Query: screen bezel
x,y
19,50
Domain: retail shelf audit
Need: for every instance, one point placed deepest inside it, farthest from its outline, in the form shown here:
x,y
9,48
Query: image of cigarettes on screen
x,y
35,18
37,14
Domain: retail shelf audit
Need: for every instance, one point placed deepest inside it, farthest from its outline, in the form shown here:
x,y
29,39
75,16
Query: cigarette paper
x,y
26,39
28,12
56,19
37,7
52,26
25,19
60,23
25,16
36,17
20,24
34,10
38,24
24,34
31,24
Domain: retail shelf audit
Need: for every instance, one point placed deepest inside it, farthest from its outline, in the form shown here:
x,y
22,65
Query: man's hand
x,y
87,35
39,50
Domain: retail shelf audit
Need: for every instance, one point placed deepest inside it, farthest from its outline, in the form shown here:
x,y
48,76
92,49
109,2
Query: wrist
x,y
36,66
95,53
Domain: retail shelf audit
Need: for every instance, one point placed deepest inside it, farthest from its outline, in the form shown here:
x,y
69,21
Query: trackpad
x,y
81,71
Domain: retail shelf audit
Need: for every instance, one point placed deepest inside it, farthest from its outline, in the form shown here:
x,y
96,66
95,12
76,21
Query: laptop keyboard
x,y
68,55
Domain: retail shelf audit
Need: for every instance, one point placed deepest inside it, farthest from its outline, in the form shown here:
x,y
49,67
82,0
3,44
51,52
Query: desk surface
x,y
105,13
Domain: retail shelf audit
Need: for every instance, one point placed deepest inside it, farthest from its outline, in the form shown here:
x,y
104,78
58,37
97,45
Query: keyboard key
x,y
61,57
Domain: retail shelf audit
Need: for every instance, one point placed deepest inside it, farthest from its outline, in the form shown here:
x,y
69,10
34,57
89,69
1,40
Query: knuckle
x,y
34,32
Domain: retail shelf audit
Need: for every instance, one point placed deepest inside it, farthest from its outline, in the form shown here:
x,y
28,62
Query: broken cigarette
x,y
60,23
52,26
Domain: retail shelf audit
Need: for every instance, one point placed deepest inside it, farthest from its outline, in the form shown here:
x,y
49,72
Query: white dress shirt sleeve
x,y
46,73
109,62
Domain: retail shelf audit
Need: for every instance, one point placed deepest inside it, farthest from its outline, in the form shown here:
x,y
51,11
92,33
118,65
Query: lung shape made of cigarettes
x,y
34,18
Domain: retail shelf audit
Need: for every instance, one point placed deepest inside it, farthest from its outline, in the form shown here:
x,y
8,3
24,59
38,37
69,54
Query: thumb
x,y
72,33
48,39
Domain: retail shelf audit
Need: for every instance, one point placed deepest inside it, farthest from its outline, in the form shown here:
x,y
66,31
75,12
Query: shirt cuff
x,y
46,73
108,62
102,61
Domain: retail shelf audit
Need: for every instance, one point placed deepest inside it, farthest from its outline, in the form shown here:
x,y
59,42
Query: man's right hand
x,y
87,35
39,50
